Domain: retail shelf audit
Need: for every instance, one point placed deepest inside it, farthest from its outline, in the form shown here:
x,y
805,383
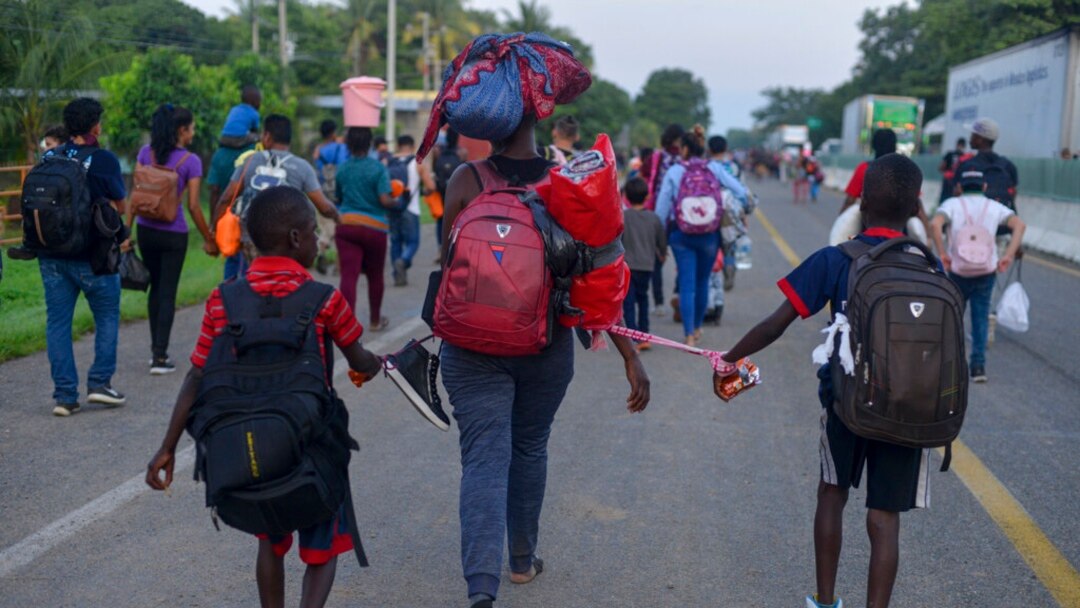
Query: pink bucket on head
x,y
362,101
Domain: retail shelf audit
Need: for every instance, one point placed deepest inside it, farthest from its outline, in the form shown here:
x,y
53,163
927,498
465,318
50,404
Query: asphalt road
x,y
692,503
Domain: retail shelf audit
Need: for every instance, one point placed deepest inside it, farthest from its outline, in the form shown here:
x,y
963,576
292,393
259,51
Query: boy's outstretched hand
x,y
163,460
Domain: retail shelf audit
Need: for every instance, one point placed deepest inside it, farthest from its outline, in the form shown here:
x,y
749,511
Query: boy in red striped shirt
x,y
281,223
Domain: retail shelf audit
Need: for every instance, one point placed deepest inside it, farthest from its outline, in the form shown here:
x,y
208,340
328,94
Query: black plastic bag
x,y
133,273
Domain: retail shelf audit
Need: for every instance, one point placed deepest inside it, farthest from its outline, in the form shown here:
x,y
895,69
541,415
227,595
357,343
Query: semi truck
x,y
868,113
1032,90
788,138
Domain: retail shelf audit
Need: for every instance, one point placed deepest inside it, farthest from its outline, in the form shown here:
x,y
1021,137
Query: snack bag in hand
x,y
745,377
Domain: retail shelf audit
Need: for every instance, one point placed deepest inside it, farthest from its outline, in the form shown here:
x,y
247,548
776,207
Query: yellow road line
x,y
1045,560
1054,265
1048,563
781,244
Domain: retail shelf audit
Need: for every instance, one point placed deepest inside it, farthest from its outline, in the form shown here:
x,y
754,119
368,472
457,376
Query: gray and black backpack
x,y
910,381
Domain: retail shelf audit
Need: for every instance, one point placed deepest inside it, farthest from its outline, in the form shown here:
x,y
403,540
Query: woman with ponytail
x,y
693,244
163,245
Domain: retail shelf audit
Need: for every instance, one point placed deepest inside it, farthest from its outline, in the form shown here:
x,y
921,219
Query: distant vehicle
x,y
790,139
866,114
1029,89
830,146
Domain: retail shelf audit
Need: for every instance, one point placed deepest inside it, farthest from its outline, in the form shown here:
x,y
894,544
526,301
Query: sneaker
x,y
413,369
484,604
978,374
400,273
811,602
64,410
659,309
160,367
21,253
107,395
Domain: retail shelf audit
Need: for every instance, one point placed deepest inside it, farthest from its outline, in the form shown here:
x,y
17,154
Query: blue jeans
x,y
658,283
504,407
63,280
977,292
636,304
404,237
694,258
235,266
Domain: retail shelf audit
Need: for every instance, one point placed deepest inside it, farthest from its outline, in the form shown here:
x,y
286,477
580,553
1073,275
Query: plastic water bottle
x,y
742,253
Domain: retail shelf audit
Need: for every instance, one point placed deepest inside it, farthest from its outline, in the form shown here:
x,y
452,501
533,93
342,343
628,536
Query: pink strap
x,y
715,358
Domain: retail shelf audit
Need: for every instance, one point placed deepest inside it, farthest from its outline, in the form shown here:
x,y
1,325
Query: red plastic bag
x,y
584,195
600,294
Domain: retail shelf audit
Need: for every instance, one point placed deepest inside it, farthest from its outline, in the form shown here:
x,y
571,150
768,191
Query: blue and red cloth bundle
x,y
499,79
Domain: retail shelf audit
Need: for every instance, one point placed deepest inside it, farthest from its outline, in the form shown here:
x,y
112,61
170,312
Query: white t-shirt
x,y
996,214
414,188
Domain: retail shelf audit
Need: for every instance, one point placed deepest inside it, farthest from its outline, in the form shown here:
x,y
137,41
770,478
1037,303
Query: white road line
x,y
34,546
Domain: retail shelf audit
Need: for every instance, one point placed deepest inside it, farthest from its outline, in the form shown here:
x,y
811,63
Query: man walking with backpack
x,y
972,258
405,216
272,166
70,249
999,173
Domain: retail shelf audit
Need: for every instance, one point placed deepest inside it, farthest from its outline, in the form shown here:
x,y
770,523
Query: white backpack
x,y
972,246
273,173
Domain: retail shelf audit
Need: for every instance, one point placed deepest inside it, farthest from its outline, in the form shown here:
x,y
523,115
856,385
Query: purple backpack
x,y
698,206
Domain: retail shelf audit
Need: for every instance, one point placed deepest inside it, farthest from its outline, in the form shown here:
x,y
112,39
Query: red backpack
x,y
494,296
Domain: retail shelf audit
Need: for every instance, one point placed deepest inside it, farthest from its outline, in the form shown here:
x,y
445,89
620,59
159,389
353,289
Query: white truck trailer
x,y
1032,90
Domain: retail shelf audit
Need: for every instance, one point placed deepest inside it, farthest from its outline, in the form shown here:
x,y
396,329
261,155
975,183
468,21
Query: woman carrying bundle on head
x,y
506,366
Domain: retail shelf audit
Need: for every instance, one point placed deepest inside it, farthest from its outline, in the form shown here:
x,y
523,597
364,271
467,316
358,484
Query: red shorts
x,y
319,543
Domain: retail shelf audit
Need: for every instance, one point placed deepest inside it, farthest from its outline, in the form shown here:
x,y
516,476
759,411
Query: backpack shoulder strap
x,y
182,159
240,301
304,305
854,248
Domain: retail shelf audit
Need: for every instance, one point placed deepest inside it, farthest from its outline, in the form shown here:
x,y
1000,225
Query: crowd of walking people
x,y
355,209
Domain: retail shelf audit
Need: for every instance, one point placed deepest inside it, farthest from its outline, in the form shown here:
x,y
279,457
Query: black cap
x,y
972,180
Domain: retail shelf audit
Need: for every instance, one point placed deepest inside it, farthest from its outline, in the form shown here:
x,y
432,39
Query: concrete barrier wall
x,y
1053,226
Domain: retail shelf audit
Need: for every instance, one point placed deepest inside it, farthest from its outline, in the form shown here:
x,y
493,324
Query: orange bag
x,y
227,230
435,204
227,233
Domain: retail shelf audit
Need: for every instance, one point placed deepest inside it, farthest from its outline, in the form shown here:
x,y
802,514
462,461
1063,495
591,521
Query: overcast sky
x,y
739,47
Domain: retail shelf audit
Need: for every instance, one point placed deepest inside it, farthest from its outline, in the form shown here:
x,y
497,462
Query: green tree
x,y
604,108
157,77
645,133
786,105
161,76
673,95
41,63
742,138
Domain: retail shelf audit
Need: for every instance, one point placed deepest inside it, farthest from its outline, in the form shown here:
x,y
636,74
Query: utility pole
x,y
425,18
254,28
391,74
283,45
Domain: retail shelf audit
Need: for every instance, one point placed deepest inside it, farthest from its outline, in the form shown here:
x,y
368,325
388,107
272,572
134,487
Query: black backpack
x,y
399,170
999,182
907,339
447,163
272,438
56,206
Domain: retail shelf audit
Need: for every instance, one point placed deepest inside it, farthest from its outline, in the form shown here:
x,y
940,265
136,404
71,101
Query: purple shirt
x,y
191,169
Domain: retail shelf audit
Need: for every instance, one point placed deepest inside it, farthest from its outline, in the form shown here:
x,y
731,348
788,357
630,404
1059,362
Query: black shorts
x,y
897,477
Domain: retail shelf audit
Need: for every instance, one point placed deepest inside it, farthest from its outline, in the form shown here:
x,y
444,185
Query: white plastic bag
x,y
1012,309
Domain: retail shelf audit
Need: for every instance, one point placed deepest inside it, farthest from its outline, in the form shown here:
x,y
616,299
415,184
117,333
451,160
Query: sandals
x,y
524,578
380,325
